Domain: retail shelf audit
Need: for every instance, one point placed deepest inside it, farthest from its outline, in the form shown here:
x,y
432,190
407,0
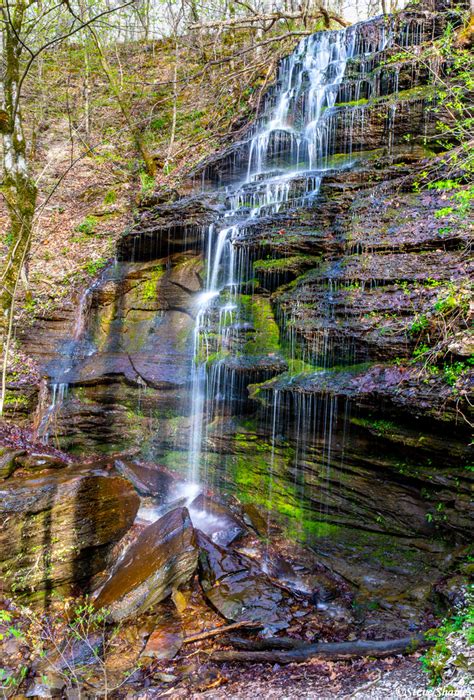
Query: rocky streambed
x,y
168,585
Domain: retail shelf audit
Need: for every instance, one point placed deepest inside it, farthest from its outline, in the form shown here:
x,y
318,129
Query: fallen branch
x,y
337,650
222,630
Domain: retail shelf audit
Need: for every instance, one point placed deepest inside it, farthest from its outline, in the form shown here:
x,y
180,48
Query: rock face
x,y
57,529
137,308
162,558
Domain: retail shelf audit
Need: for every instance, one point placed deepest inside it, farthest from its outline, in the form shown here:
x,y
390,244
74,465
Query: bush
x,y
448,654
87,225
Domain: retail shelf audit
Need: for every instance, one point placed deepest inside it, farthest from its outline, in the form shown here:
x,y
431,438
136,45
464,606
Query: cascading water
x,y
288,153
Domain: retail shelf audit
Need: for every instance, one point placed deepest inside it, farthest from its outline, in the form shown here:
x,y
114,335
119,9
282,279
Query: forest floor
x,y
317,680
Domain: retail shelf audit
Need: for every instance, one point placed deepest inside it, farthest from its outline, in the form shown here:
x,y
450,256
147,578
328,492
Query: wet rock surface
x,y
163,557
169,228
238,589
166,639
148,479
216,520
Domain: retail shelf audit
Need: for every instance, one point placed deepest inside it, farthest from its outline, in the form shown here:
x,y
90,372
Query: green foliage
x,y
93,267
461,199
8,238
430,282
87,226
459,625
453,299
421,323
452,372
147,183
445,211
420,351
160,123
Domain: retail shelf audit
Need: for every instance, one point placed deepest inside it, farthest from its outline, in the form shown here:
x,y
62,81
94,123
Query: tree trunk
x,y
150,165
18,188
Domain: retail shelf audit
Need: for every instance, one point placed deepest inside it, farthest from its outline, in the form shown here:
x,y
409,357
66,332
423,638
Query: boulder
x,y
149,480
162,558
56,530
216,520
238,589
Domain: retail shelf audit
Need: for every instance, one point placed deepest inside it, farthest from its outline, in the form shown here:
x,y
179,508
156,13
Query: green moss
x,y
87,225
267,333
94,266
415,93
110,197
293,263
352,103
148,288
15,401
378,426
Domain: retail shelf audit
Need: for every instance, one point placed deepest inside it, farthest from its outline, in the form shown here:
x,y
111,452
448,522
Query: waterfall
x,y
288,152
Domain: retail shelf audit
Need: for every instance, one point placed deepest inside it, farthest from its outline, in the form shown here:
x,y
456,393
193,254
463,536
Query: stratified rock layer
x,y
58,528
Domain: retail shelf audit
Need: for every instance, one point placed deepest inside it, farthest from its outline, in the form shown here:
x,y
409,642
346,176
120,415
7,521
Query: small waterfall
x,y
59,386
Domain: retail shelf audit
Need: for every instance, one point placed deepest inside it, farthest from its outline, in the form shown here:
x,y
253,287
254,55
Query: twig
x,y
222,630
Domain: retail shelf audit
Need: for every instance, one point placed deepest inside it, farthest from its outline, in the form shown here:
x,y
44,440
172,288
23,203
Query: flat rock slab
x,y
166,639
238,589
162,558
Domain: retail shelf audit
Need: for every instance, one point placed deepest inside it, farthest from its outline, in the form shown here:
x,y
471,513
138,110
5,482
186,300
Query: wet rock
x,y
238,589
8,461
389,386
216,520
163,557
166,638
255,518
149,480
168,228
57,529
37,462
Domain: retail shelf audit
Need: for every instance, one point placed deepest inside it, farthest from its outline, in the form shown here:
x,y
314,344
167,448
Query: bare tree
x,y
28,28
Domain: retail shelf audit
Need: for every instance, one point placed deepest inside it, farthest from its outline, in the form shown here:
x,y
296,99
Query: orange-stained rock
x,y
162,558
